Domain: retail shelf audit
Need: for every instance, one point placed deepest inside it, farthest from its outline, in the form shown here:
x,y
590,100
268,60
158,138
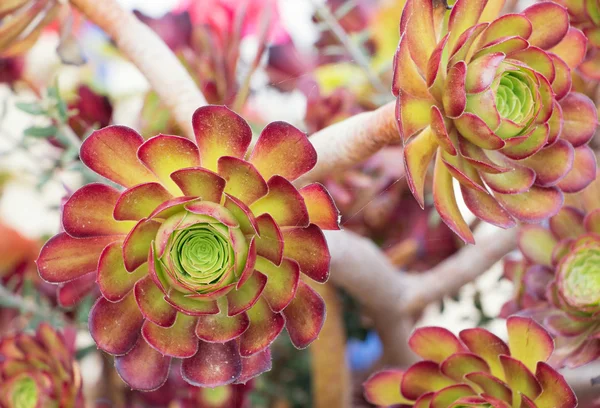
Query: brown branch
x,y
342,145
150,54
393,298
330,373
360,267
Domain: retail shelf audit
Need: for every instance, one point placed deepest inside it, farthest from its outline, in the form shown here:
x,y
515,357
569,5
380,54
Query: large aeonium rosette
x,y
200,257
39,370
476,369
558,282
490,100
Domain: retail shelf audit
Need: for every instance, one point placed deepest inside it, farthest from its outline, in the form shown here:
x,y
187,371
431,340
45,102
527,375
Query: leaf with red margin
x,y
445,201
568,223
550,23
519,378
580,119
537,243
308,247
383,388
417,157
89,212
140,201
115,327
255,365
214,364
179,340
458,365
528,341
242,180
446,397
487,346
241,299
284,203
137,244
282,282
220,132
582,173
112,153
221,328
164,154
113,279
572,48
421,378
151,303
321,207
269,244
199,182
64,258
264,328
143,368
454,95
282,149
491,386
304,316
434,343
534,205
556,391
560,155
243,214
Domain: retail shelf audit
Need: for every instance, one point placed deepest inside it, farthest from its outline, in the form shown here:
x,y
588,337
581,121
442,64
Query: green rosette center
x,y
579,276
25,393
514,98
200,255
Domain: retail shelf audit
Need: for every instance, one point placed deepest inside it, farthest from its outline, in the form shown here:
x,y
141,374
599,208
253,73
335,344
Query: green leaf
x,y
41,132
33,108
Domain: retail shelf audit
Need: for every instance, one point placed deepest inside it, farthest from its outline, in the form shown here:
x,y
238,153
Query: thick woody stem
x,y
330,372
151,55
346,143
360,268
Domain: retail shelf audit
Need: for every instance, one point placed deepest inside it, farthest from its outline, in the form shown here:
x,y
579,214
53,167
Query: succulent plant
x,y
490,99
39,370
558,281
476,369
22,22
200,257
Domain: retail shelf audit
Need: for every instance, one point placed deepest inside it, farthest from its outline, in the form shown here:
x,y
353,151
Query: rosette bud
x,y
200,257
558,281
476,369
39,371
489,98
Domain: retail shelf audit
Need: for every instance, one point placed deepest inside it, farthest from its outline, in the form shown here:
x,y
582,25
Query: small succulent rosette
x,y
22,22
585,15
39,370
558,282
200,257
489,100
476,369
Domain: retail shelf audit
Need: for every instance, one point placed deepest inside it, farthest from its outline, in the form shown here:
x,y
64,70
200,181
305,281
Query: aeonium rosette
x,y
200,257
558,280
39,370
476,369
490,99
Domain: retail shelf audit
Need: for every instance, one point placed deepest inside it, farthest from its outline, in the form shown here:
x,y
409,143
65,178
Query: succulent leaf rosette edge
x,y
489,100
201,256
